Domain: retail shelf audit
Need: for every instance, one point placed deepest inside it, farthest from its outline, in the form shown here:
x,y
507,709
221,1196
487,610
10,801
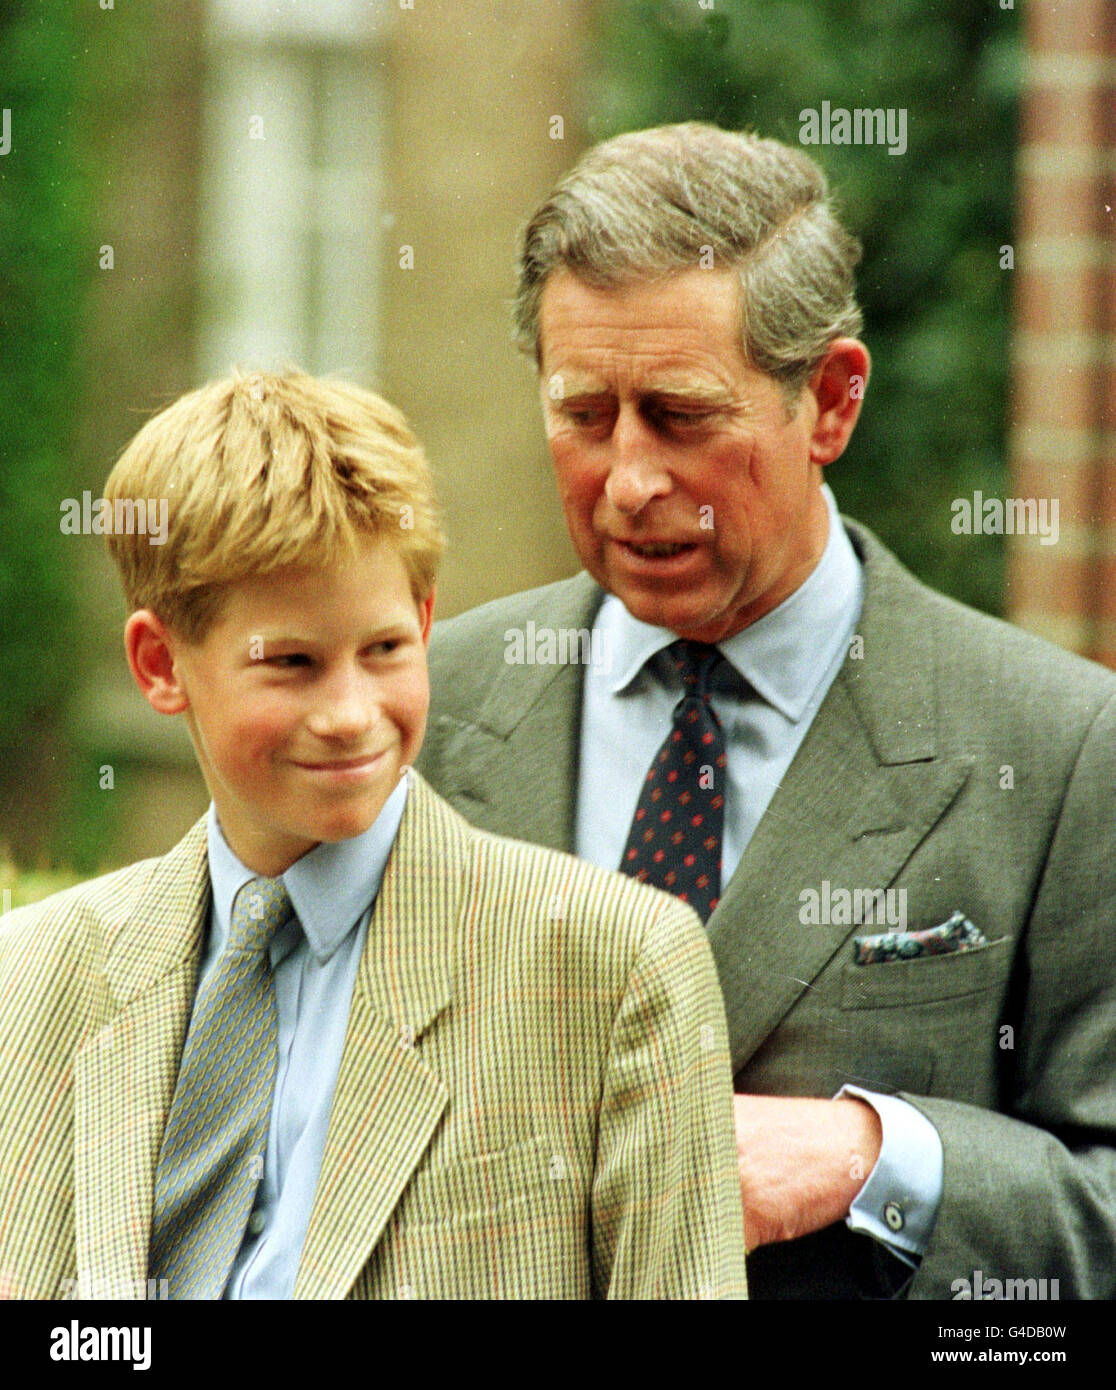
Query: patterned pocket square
x,y
949,938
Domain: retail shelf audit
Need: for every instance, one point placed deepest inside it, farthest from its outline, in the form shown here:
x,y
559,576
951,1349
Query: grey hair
x,y
653,202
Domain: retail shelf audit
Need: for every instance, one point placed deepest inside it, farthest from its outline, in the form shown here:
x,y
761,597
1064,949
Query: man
x,y
908,805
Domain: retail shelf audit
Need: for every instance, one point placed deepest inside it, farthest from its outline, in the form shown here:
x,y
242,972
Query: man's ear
x,y
426,615
150,647
838,384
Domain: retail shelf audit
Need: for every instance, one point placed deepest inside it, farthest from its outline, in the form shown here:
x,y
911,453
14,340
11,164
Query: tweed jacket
x,y
534,1098
954,758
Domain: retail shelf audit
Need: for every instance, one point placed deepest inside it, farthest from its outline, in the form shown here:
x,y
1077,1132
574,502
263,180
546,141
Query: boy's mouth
x,y
342,766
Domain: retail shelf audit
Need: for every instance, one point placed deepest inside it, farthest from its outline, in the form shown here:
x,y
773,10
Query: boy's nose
x,y
347,710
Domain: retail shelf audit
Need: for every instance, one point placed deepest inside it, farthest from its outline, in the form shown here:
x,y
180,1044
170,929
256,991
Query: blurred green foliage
x,y
43,257
932,221
18,888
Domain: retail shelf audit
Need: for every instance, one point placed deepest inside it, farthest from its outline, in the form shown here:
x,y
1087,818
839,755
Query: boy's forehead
x,y
371,586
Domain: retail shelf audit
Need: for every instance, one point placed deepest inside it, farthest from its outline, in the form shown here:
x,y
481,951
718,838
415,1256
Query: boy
x,y
337,1043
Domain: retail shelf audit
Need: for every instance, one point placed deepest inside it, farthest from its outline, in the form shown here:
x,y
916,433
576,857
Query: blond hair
x,y
265,470
654,202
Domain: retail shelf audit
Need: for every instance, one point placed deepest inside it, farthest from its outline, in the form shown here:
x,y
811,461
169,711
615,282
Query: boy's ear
x,y
150,648
426,616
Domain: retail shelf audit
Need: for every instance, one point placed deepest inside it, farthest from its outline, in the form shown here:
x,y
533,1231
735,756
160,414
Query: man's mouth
x,y
657,550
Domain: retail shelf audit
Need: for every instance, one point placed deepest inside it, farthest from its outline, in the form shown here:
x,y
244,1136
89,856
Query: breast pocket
x,y
479,1187
903,983
511,1224
931,1025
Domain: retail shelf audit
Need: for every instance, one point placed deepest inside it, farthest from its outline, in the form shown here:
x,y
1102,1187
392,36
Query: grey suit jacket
x,y
961,760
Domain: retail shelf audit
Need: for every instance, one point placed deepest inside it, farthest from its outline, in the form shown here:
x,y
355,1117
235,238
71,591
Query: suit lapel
x,y
388,1103
516,763
124,1074
865,788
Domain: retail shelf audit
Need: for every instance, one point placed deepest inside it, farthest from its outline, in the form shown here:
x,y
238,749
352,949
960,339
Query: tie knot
x,y
695,662
260,908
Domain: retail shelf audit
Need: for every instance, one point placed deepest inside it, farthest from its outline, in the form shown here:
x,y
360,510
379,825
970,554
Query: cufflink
x,y
893,1215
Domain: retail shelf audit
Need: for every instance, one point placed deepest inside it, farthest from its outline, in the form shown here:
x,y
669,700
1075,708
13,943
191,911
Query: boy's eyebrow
x,y
291,637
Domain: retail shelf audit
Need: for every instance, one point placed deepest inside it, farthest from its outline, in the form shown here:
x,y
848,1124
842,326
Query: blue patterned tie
x,y
675,839
213,1146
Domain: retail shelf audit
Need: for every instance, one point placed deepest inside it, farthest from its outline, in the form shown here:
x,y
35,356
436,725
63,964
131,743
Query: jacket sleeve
x,y
43,1012
667,1217
1030,1193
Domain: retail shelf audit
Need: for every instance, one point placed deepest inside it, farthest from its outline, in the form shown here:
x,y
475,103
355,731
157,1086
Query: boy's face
x,y
305,700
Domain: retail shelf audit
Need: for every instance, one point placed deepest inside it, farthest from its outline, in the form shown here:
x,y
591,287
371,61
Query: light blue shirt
x,y
789,659
314,963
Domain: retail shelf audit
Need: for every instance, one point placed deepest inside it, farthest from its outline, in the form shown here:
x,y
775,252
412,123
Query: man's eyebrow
x,y
699,392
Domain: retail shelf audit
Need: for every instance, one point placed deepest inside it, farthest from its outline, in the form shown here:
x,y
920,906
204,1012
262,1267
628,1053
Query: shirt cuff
x,y
899,1203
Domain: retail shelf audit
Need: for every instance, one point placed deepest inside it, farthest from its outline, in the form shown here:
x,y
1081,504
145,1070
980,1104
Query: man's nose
x,y
637,474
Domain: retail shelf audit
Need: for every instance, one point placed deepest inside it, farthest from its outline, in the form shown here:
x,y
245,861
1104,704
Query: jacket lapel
x,y
865,788
124,1073
388,1103
515,764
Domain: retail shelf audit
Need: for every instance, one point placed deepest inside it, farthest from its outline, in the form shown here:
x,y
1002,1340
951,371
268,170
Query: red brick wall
x,y
1063,435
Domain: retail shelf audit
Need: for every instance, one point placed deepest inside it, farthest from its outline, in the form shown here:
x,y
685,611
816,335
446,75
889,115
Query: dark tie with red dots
x,y
675,839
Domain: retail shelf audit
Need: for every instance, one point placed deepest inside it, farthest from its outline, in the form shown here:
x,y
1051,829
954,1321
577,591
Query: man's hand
x,y
802,1162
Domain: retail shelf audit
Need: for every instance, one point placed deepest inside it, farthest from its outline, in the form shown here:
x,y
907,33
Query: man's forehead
x,y
678,326
652,362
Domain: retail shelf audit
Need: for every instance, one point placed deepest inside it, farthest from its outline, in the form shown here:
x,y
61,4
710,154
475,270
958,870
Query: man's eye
x,y
289,659
682,417
588,415
386,647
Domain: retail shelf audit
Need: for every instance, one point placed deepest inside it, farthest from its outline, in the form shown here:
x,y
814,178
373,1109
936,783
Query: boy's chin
x,y
347,826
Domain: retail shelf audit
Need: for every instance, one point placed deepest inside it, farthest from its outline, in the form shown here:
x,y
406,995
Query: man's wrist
x,y
865,1141
898,1201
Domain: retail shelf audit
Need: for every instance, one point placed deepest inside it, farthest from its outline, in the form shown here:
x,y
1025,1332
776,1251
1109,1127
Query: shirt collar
x,y
785,655
331,887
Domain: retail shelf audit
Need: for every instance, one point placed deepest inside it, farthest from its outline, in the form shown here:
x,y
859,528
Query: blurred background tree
x,y
128,123
43,250
932,221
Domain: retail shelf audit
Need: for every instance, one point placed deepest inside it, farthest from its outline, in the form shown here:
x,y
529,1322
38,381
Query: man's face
x,y
687,490
305,700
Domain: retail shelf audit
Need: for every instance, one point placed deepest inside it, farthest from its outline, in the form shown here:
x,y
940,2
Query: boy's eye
x,y
287,661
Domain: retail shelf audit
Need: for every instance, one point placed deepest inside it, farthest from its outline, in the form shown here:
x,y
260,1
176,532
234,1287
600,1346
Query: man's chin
x,y
686,617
